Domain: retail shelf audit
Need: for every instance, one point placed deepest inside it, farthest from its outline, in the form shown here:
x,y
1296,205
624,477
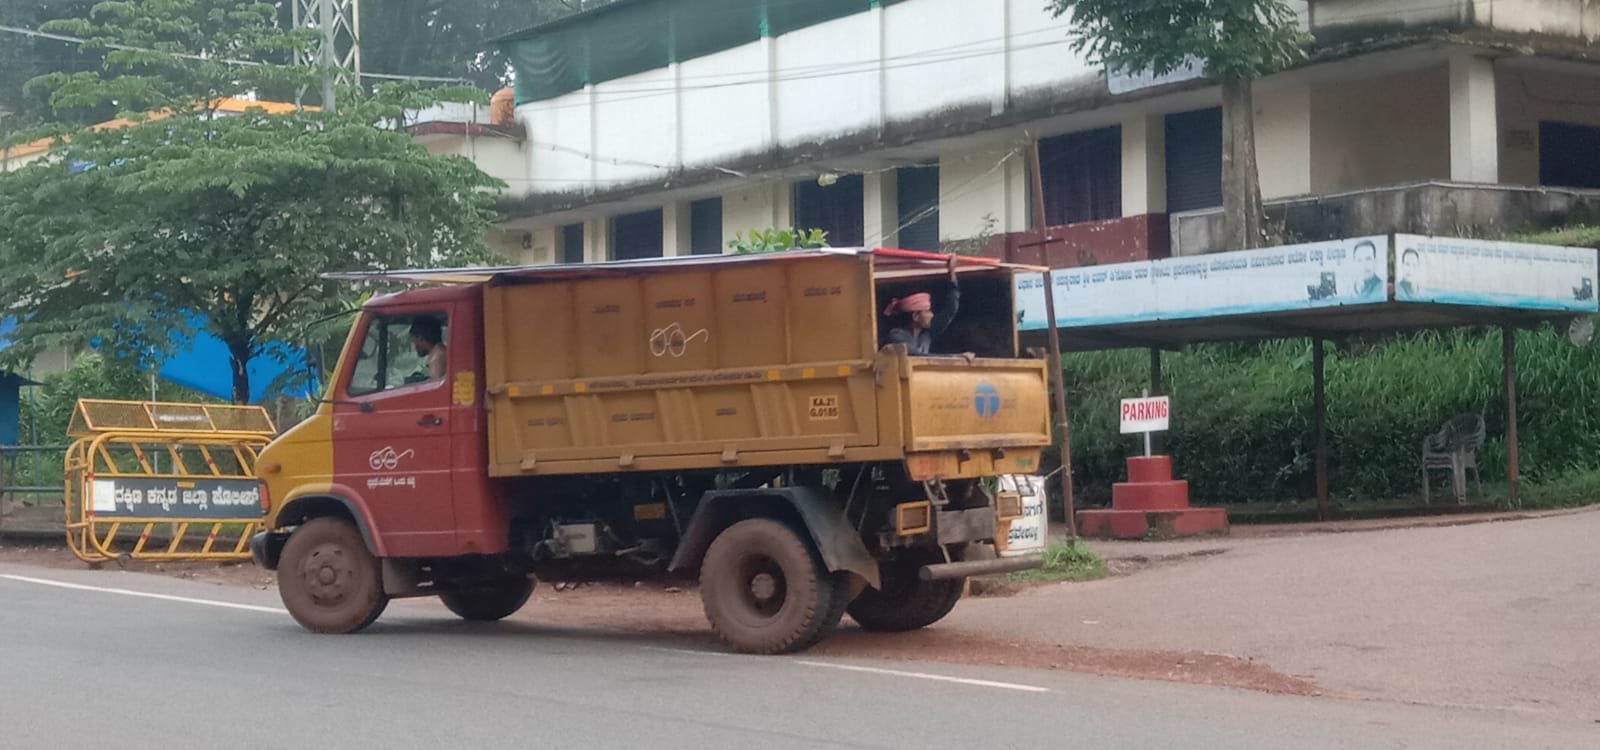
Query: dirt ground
x,y
1437,610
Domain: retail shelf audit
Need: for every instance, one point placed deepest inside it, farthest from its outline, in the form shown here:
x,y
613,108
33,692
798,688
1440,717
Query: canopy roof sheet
x,y
1322,289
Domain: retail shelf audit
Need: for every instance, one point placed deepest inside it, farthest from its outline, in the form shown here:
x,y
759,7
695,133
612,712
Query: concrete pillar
x,y
782,205
1144,165
676,239
760,206
881,197
597,240
1018,189
1283,140
1474,124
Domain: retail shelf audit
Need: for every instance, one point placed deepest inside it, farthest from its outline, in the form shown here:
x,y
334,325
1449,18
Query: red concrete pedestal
x,y
1151,505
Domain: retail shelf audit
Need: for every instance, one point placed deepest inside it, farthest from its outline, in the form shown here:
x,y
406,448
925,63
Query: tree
x,y
178,56
23,58
131,232
1237,41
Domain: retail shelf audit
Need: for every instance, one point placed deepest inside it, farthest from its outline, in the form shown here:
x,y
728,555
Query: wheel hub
x,y
764,586
328,574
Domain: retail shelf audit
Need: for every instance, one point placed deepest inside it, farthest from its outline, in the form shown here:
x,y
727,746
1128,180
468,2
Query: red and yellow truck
x,y
734,419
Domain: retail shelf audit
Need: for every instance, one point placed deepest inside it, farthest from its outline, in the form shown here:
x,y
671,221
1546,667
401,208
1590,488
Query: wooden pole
x,y
1508,354
1058,380
1037,176
1320,399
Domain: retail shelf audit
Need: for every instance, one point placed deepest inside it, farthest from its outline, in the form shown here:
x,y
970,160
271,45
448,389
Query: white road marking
x,y
925,676
142,594
689,652
871,670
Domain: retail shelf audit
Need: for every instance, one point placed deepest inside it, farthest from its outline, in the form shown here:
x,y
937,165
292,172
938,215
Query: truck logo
x,y
388,458
673,341
986,400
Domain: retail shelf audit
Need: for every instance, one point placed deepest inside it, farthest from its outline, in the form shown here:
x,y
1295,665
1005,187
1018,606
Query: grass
x,y
1071,561
1580,235
1572,489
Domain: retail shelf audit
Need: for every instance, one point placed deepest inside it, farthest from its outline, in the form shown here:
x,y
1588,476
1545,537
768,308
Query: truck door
x,y
392,433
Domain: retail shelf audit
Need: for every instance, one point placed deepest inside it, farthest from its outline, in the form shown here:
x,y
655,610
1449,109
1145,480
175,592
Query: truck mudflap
x,y
838,543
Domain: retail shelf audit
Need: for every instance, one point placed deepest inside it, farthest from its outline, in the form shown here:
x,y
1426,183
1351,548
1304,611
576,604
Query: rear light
x,y
266,499
913,518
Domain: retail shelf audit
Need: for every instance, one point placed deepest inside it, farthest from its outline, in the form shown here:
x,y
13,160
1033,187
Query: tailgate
x,y
989,403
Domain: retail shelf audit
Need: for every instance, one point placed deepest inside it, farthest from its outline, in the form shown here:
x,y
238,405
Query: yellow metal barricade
x,y
164,481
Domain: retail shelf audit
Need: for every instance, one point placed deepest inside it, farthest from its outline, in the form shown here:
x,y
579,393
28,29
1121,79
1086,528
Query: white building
x,y
663,127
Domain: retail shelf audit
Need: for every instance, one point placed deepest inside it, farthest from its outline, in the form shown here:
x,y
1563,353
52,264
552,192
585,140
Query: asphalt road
x,y
122,660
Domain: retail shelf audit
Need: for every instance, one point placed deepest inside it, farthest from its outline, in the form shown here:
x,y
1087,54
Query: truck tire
x,y
489,601
765,589
328,580
905,602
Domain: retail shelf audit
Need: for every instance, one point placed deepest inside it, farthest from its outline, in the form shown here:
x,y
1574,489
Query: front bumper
x,y
266,547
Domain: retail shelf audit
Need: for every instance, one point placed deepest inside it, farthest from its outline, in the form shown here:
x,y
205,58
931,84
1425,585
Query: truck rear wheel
x,y
905,602
489,601
328,580
766,591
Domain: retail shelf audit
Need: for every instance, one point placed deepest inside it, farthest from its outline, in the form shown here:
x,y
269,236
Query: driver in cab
x,y
427,337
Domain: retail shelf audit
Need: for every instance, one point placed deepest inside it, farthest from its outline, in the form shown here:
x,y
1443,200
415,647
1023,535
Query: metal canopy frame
x,y
1319,325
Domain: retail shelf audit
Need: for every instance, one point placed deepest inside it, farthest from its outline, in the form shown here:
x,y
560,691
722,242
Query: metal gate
x,y
164,481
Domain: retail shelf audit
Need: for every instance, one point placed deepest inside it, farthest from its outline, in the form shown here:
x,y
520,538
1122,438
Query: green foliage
x,y
92,375
232,217
1582,235
150,49
1233,38
1242,414
23,58
775,240
1066,561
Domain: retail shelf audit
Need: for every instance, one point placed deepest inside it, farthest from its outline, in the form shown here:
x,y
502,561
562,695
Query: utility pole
x,y
338,50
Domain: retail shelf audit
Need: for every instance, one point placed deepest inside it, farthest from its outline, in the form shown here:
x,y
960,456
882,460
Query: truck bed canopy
x,y
887,263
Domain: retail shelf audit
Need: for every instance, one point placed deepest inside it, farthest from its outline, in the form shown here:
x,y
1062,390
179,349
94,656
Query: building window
x,y
572,243
1194,160
705,227
1082,176
917,208
838,209
636,236
1569,155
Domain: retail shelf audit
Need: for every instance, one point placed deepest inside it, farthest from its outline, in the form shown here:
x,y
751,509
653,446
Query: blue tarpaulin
x,y
200,362
10,390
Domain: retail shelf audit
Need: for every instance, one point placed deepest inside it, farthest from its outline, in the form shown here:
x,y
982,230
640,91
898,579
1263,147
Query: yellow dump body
x,y
720,365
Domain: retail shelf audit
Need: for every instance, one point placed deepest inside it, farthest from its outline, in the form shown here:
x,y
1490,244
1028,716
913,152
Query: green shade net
x,y
631,37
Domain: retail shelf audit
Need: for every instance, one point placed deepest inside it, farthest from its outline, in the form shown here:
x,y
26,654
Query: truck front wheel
x,y
328,580
490,601
766,591
905,602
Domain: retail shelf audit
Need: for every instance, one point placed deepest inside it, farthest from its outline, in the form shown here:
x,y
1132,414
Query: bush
x,y
1242,427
